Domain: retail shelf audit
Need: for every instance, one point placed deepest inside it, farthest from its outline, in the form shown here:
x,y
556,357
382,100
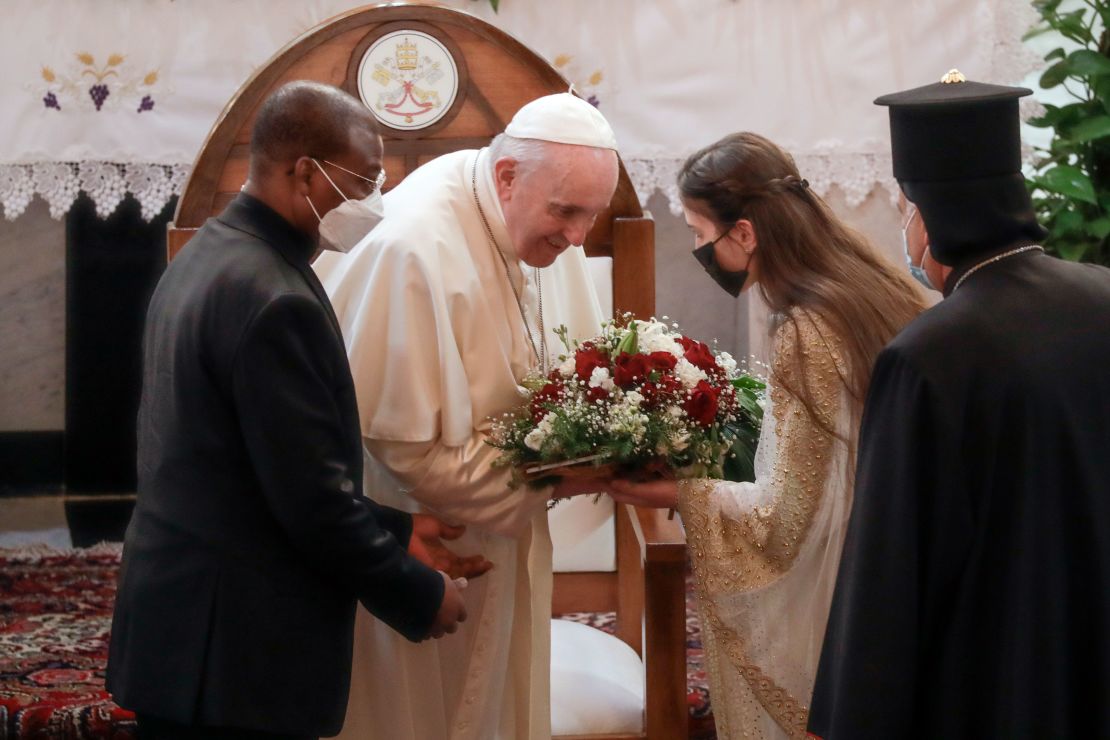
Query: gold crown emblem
x,y
406,55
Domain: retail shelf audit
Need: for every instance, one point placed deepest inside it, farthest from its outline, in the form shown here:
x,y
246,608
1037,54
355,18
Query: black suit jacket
x,y
251,541
973,598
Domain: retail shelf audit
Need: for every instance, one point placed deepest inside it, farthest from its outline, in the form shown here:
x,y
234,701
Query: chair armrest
x,y
661,540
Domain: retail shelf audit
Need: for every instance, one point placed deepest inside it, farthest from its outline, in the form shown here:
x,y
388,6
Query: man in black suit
x,y
973,598
250,542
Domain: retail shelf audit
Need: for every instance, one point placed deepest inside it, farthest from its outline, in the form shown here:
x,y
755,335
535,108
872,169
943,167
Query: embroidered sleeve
x,y
749,533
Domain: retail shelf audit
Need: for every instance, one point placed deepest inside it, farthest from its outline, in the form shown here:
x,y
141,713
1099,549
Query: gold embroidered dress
x,y
765,553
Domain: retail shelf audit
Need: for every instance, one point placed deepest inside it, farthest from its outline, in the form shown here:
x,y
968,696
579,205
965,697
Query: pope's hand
x,y
426,545
451,612
661,493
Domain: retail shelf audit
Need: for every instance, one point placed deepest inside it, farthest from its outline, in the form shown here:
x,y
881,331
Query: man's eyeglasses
x,y
377,182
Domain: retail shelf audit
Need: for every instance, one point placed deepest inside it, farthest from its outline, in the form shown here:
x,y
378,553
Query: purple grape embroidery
x,y
147,103
98,93
51,101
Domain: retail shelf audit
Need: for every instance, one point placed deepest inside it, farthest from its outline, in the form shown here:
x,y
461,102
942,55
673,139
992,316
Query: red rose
x,y
663,361
596,394
549,394
630,368
660,392
698,354
587,358
701,406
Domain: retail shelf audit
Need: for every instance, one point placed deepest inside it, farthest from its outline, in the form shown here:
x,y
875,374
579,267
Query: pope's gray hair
x,y
525,152
528,153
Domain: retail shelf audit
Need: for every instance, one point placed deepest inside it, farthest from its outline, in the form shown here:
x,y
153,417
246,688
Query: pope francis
x,y
445,306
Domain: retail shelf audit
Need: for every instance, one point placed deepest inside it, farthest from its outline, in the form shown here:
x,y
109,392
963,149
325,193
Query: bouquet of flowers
x,y
639,398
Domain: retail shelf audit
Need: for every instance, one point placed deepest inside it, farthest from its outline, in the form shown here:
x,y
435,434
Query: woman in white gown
x,y
765,553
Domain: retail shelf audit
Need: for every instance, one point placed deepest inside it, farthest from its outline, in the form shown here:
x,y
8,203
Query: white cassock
x,y
437,346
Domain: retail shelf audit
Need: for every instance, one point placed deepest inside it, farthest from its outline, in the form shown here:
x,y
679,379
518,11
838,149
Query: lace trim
x,y
107,183
856,174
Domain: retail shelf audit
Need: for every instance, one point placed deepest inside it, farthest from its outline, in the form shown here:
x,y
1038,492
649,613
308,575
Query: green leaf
x,y
1046,7
1088,63
494,4
1070,181
1072,251
1055,75
1099,228
1057,53
1036,31
1068,222
1100,86
1073,27
1090,129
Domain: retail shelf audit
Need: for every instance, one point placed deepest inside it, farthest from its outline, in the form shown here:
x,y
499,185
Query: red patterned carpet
x,y
55,616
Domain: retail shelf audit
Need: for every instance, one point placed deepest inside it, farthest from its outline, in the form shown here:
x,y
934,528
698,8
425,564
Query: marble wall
x,y
32,322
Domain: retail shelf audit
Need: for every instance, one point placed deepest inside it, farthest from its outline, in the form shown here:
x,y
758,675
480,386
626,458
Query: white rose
x,y
568,367
633,398
727,363
689,374
534,439
600,379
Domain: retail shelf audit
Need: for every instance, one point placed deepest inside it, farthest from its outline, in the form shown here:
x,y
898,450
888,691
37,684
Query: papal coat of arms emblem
x,y
408,79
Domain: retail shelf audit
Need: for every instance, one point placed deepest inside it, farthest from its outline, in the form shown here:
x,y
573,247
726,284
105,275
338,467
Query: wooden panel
x,y
233,176
584,592
176,239
634,266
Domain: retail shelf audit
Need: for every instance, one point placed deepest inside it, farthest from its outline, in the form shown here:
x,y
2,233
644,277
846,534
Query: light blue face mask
x,y
917,271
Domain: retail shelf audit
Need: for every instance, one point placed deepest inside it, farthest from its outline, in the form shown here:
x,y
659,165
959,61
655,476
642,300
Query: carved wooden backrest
x,y
497,75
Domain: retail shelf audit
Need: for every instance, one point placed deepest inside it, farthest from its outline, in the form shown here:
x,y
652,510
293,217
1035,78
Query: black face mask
x,y
732,282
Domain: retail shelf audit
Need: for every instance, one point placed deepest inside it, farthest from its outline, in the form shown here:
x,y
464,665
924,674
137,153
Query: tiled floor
x,y
63,521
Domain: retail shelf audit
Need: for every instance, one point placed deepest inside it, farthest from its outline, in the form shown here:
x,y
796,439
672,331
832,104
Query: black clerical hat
x,y
956,150
955,130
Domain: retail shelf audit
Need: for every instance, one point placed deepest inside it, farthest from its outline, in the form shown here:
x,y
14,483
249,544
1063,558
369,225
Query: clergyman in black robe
x,y
973,598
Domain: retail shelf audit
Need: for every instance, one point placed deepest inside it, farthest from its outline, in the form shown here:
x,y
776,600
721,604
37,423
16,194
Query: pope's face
x,y
552,204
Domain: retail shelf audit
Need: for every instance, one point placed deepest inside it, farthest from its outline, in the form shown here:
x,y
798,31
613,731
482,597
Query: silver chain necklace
x,y
992,260
540,353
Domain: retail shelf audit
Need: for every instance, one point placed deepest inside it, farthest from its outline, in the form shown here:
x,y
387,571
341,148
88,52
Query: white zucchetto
x,y
564,119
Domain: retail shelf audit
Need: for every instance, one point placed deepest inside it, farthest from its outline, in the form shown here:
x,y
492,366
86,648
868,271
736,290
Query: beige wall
x,y
704,311
32,301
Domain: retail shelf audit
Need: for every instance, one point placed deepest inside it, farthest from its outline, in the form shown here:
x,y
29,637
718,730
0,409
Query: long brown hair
x,y
807,258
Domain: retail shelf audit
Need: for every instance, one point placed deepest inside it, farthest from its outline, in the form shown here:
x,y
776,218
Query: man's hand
x,y
426,545
451,612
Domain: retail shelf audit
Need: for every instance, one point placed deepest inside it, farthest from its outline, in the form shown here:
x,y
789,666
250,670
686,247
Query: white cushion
x,y
597,682
583,535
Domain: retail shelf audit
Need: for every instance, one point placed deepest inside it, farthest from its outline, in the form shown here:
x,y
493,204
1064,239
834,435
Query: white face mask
x,y
345,226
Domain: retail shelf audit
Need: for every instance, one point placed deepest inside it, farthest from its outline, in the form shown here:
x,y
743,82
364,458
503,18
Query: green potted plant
x,y
1071,180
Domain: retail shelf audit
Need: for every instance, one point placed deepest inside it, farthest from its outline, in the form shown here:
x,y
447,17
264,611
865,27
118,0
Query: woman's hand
x,y
574,486
661,493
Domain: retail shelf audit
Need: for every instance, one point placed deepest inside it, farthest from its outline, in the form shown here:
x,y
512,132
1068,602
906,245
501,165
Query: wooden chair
x,y
496,76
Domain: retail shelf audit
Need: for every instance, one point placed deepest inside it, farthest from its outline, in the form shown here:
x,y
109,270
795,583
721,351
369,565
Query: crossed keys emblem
x,y
402,74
